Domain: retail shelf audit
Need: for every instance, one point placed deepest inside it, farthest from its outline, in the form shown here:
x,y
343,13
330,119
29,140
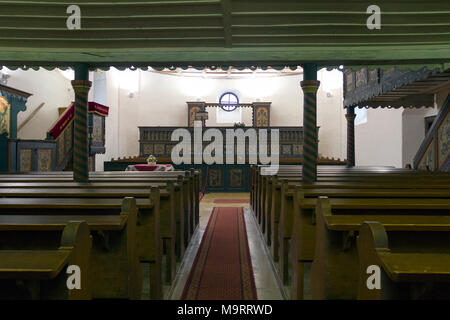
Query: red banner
x,y
68,115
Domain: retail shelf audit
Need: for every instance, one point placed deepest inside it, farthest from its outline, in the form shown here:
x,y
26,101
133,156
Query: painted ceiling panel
x,y
224,32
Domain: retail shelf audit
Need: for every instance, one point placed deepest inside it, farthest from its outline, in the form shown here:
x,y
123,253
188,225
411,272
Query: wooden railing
x,y
434,152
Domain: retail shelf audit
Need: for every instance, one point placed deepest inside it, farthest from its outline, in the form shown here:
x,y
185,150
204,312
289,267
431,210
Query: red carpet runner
x,y
222,269
232,201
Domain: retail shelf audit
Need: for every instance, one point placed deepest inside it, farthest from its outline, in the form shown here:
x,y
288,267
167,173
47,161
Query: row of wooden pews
x,y
135,220
321,223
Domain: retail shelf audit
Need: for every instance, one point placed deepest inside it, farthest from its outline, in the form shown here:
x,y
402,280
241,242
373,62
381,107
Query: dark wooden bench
x,y
171,202
284,211
114,267
413,224
190,186
41,274
263,191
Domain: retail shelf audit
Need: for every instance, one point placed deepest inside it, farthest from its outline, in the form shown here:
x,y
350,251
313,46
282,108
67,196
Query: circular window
x,y
229,101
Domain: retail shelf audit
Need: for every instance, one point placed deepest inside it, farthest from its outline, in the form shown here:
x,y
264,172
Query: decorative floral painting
x,y
444,140
26,160
97,134
5,115
262,117
192,112
45,160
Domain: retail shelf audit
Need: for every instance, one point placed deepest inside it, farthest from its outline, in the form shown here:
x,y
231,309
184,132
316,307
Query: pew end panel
x,y
403,275
41,274
149,241
285,231
123,278
332,252
302,242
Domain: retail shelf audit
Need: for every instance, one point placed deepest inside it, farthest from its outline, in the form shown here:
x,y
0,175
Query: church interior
x,y
224,150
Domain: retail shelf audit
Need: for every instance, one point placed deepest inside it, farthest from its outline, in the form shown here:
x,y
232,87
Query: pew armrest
x,y
416,267
32,265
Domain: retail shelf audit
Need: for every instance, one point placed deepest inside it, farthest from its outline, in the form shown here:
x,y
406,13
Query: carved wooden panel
x,y
192,112
297,149
361,77
147,149
61,145
373,75
68,139
215,178
159,149
26,160
261,117
235,178
349,81
45,159
444,141
286,149
97,130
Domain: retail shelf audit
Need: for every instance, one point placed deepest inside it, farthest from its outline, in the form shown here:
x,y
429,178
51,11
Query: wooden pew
x,y
268,193
57,181
115,271
408,275
156,221
175,241
264,190
303,233
41,274
189,179
171,202
282,217
414,224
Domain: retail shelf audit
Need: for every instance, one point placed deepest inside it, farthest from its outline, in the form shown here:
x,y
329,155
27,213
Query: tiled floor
x,y
267,283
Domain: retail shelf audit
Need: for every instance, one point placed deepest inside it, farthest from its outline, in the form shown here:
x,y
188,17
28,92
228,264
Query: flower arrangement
x,y
151,159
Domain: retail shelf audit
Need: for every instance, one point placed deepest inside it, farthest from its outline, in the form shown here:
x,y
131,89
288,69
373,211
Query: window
x,y
229,112
361,116
229,101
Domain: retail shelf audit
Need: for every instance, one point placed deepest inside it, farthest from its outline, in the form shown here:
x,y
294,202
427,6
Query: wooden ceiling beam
x,y
226,20
128,22
337,6
334,18
132,34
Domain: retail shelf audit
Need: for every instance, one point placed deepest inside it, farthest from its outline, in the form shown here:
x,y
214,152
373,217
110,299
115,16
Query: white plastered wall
x,y
160,100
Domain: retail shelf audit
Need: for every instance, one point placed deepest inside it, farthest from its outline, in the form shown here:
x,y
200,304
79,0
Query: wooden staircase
x,y
434,152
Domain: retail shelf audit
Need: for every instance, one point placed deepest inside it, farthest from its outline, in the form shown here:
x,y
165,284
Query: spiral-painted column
x,y
81,86
350,136
310,141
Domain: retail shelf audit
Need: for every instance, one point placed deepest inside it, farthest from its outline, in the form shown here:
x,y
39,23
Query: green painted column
x,y
350,136
81,86
310,141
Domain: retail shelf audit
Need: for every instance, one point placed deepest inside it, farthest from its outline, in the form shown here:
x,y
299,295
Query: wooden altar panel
x,y
26,160
157,141
44,159
193,108
261,115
